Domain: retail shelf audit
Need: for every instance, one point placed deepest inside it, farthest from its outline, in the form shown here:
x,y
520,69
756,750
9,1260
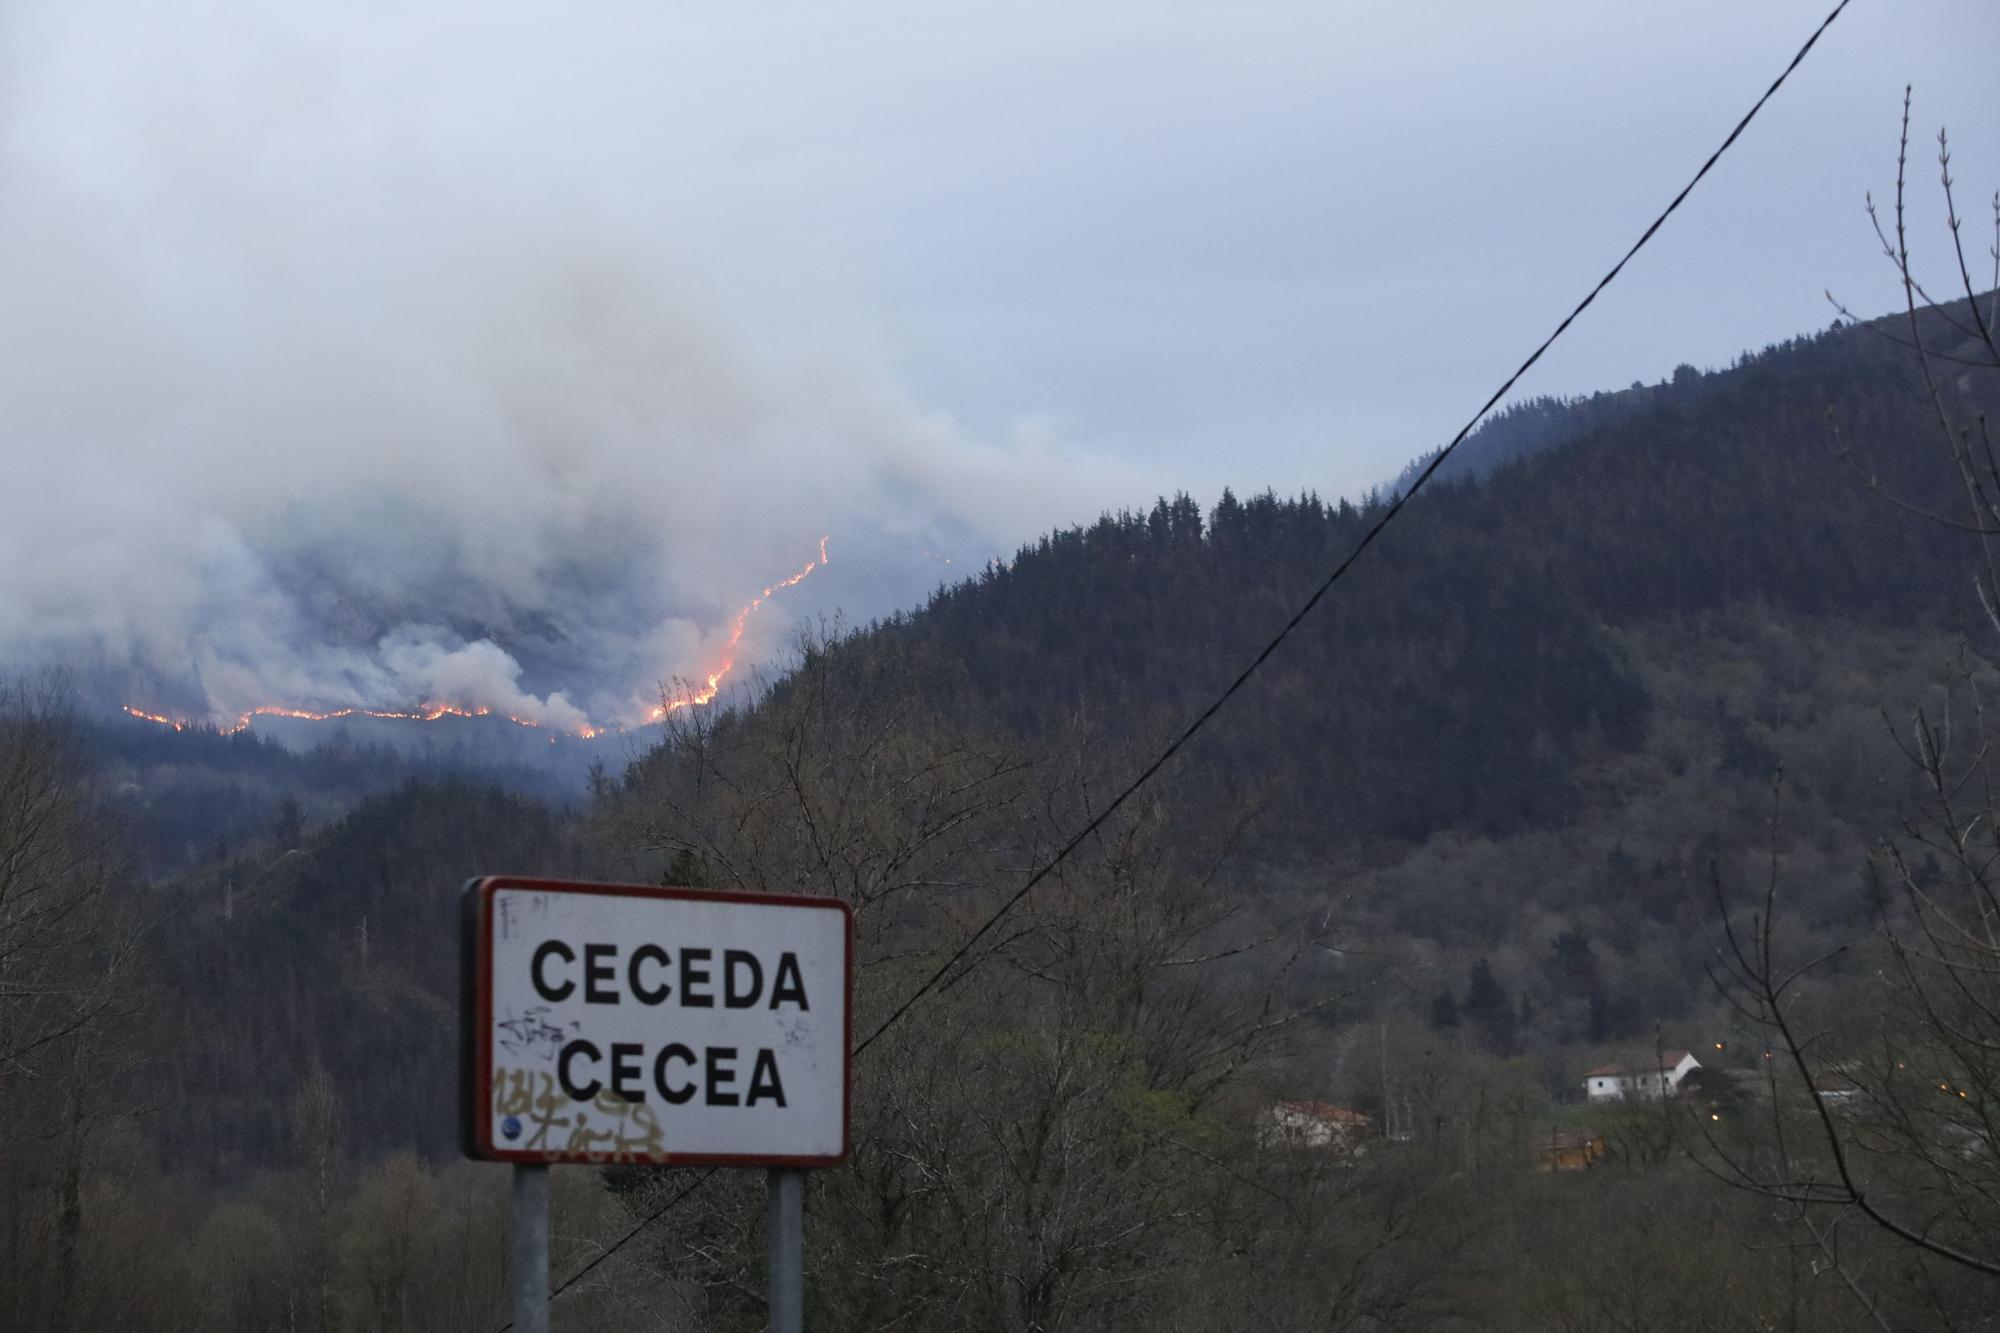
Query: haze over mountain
x,y
356,364
1485,629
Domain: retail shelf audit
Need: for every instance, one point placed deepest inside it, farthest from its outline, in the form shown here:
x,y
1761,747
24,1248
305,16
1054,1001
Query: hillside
x,y
335,958
1531,425
1465,675
185,797
1550,703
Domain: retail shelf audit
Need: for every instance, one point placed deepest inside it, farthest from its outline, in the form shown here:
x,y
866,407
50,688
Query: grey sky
x,y
349,341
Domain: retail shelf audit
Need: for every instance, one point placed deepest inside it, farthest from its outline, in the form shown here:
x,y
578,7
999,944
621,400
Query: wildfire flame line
x,y
713,686
429,712
432,711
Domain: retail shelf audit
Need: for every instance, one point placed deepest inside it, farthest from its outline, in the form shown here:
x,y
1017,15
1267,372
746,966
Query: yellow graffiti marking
x,y
626,1131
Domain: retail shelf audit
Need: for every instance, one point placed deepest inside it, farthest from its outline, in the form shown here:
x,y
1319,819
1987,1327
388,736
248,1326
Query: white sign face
x,y
614,1023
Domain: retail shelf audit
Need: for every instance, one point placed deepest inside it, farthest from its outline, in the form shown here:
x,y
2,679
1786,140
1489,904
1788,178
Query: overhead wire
x,y
1375,530
619,1244
1388,515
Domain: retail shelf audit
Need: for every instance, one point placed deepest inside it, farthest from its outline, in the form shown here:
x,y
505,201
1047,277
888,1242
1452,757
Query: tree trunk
x,y
69,1209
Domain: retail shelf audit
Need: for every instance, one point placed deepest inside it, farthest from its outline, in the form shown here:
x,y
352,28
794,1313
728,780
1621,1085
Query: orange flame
x,y
432,711
165,721
429,712
713,685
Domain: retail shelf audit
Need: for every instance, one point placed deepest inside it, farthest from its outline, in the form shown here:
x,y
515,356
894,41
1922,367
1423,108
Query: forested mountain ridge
x,y
336,957
1461,672
1549,704
185,796
1527,427
1472,630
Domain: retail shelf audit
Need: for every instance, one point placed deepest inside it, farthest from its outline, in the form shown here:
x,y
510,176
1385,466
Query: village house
x,y
1306,1124
1645,1082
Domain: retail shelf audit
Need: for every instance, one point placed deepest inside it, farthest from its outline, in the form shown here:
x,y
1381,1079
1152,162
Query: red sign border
x,y
476,1013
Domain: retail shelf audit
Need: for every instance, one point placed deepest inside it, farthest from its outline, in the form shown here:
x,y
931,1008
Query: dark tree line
x,y
334,960
1462,674
195,795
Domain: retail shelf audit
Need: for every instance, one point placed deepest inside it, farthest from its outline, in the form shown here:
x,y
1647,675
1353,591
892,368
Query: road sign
x,y
620,1023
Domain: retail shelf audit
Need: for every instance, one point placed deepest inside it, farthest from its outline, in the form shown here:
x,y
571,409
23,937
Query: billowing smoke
x,y
299,408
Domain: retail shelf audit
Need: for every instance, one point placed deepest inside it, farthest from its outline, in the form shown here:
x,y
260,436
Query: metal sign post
x,y
788,1249
530,1268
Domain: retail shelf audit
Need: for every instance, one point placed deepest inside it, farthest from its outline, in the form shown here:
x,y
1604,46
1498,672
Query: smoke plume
x,y
301,408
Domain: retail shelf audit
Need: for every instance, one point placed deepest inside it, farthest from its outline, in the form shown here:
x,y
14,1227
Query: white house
x,y
1617,1083
1303,1124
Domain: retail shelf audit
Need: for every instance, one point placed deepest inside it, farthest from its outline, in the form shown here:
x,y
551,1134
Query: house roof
x,y
1333,1115
1669,1060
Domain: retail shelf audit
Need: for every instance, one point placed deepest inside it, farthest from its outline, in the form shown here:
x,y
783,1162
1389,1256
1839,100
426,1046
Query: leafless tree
x,y
54,876
1883,1144
1058,1137
67,955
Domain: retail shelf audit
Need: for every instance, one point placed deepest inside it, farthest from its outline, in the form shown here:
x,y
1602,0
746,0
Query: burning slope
x,y
708,691
431,711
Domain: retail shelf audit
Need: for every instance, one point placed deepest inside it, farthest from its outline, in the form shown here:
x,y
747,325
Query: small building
x,y
1836,1090
1306,1124
1565,1149
1649,1081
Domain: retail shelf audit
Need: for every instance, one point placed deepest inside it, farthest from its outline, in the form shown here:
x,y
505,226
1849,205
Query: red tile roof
x,y
1669,1060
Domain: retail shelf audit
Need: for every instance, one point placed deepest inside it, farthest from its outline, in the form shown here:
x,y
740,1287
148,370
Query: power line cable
x,y
1367,539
